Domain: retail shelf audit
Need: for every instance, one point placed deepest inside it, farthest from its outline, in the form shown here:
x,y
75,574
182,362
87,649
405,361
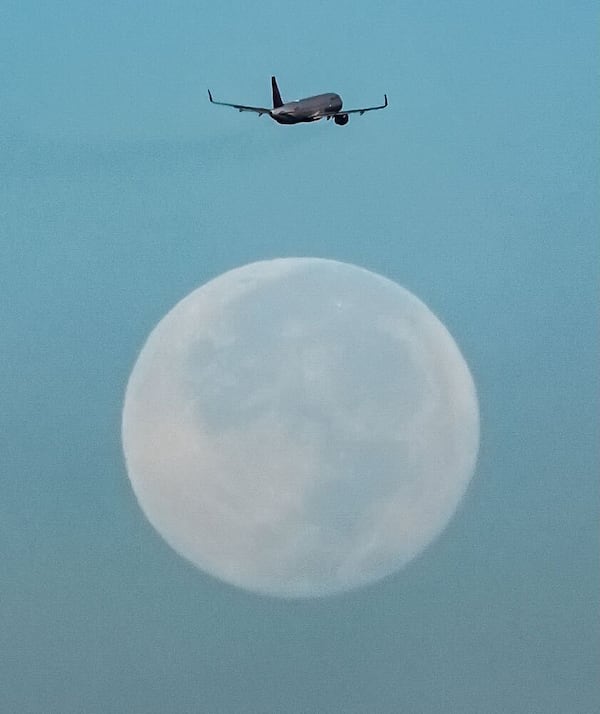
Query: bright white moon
x,y
299,427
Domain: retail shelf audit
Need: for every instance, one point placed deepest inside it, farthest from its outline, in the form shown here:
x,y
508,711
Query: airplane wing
x,y
358,111
240,107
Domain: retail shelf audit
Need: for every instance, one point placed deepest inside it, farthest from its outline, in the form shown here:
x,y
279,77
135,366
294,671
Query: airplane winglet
x,y
385,103
210,96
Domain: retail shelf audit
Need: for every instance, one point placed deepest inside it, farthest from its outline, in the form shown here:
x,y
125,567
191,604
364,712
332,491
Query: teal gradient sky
x,y
122,190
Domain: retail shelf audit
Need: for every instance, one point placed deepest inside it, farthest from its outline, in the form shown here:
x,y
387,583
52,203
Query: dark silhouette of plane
x,y
304,110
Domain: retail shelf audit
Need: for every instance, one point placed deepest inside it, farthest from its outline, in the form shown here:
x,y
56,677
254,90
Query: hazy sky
x,y
122,190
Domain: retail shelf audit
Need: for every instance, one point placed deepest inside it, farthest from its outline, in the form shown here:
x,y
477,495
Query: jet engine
x,y
341,119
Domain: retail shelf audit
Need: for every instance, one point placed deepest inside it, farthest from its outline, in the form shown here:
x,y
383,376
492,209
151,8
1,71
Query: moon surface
x,y
300,427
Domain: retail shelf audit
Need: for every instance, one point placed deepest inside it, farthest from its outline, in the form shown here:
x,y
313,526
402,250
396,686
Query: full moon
x,y
300,427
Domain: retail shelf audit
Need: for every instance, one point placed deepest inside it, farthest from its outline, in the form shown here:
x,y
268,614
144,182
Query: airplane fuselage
x,y
308,109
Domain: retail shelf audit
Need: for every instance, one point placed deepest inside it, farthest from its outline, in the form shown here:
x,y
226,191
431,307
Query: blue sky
x,y
123,189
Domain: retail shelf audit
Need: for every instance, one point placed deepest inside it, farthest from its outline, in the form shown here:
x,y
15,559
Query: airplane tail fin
x,y
277,102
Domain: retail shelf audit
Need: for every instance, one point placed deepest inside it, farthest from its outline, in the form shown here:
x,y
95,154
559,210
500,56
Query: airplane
x,y
321,106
